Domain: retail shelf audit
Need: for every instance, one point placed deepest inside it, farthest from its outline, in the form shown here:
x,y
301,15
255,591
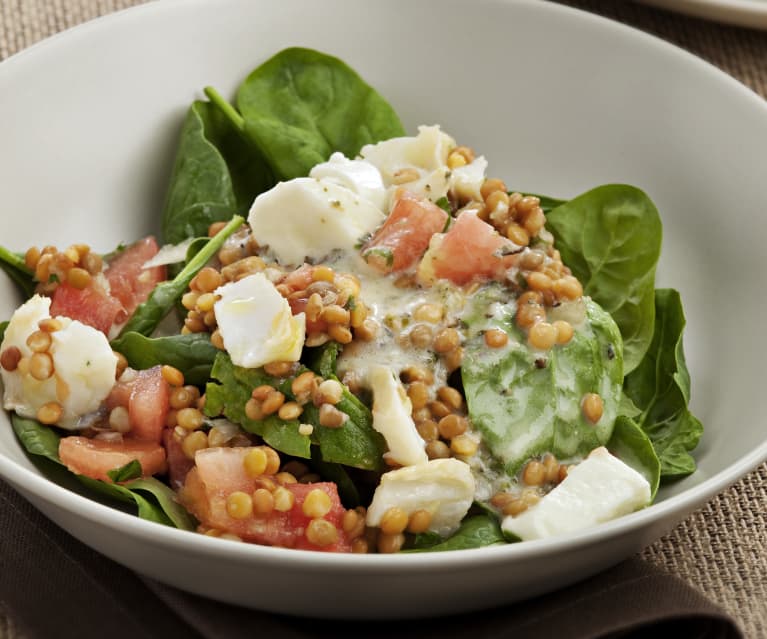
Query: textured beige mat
x,y
721,549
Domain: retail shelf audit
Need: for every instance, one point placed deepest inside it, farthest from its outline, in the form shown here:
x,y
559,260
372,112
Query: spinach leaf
x,y
347,488
216,173
3,326
322,359
302,105
475,532
147,509
354,444
630,444
166,500
37,439
229,391
131,470
526,403
610,237
161,507
165,295
13,264
660,387
192,354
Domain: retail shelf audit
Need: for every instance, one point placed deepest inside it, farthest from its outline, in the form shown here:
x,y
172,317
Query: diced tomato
x,y
298,305
95,457
179,464
405,235
129,285
92,306
220,471
146,395
470,250
129,281
299,279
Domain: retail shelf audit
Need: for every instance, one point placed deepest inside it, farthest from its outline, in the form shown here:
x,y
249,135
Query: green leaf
x,y
229,391
322,359
36,438
3,326
354,444
475,532
147,509
166,500
162,508
131,470
525,402
215,175
165,295
192,354
15,267
302,105
610,237
660,387
630,444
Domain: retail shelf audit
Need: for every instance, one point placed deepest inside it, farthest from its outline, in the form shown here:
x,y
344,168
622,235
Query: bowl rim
x,y
669,508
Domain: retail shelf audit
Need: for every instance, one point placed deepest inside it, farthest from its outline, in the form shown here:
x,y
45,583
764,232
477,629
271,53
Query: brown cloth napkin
x,y
54,586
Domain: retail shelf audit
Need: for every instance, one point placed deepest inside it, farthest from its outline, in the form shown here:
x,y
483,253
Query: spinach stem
x,y
226,108
15,260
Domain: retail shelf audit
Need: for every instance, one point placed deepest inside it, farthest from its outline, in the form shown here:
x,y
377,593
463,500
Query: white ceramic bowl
x,y
558,100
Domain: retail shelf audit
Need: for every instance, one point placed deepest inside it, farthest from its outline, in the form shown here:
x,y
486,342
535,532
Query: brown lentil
x,y
564,330
283,499
491,185
239,505
290,411
330,392
278,369
428,430
592,407
9,359
551,465
437,449
452,425
304,386
421,336
41,366
451,397
446,340
418,393
388,544
496,338
284,478
194,441
534,473
263,501
255,462
316,504
419,521
273,402
393,521
39,341
542,335
321,532
331,417
273,460
49,413
453,359
353,524
190,418
463,445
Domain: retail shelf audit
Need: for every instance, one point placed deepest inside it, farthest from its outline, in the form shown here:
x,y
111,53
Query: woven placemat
x,y
721,549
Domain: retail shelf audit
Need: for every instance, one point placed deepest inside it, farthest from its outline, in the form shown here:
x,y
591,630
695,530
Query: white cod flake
x,y
443,487
466,181
256,323
310,218
598,489
83,362
426,153
392,418
358,176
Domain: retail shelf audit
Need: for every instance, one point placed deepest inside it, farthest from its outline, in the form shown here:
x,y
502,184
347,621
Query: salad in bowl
x,y
351,339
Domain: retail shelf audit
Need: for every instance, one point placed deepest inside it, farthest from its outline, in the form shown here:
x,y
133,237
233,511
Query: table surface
x,y
722,549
